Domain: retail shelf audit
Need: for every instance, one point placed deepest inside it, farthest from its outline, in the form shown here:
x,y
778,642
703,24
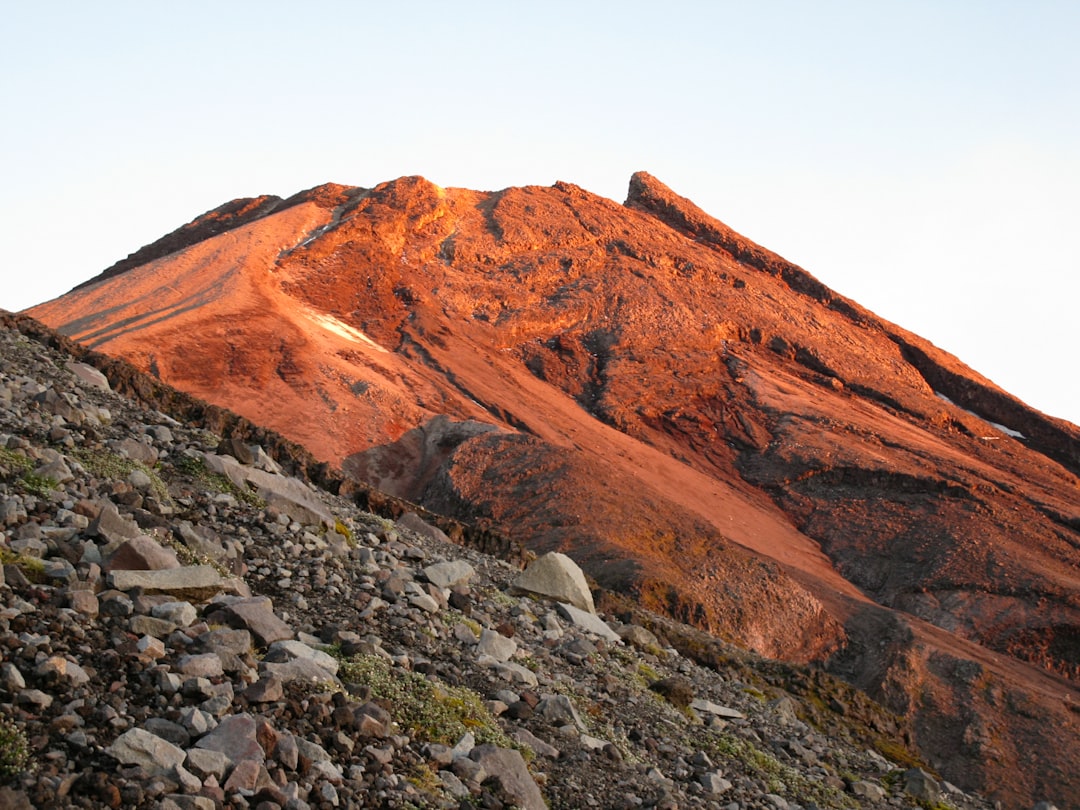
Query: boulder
x,y
587,621
234,736
88,375
415,523
140,553
506,766
139,747
256,615
198,582
556,576
449,574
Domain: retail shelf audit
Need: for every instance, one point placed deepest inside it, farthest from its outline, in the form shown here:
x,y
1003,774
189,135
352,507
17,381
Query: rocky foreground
x,y
184,626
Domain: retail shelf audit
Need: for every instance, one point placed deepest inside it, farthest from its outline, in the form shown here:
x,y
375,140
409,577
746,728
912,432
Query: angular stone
x,y
84,602
868,790
235,737
714,782
297,649
58,669
256,615
208,763
140,553
149,626
182,614
523,736
557,577
167,730
111,526
921,785
139,747
587,621
203,665
372,720
248,775
496,645
557,710
413,522
151,647
639,636
268,689
198,582
449,574
299,670
88,375
506,766
715,709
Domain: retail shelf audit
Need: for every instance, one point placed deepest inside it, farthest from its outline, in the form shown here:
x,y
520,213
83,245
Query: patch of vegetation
x,y
195,467
14,751
778,778
343,529
33,568
13,463
105,464
426,709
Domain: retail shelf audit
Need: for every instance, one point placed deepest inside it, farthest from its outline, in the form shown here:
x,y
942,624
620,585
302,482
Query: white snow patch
x,y
332,324
1016,434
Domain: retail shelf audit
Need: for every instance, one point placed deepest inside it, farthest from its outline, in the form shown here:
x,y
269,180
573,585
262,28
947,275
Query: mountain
x,y
698,422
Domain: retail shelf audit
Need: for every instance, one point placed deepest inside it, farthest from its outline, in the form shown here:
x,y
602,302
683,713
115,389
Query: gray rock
x,y
198,582
449,574
181,614
292,649
496,645
714,782
413,522
507,767
139,747
557,577
715,709
256,615
58,669
299,670
202,665
140,553
557,710
111,526
587,621
235,737
868,790
88,375
920,785
523,736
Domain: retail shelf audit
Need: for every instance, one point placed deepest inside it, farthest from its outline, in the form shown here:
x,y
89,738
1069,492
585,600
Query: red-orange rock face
x,y
691,417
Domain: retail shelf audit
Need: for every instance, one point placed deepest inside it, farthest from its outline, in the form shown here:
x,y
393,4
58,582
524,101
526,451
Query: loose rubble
x,y
187,628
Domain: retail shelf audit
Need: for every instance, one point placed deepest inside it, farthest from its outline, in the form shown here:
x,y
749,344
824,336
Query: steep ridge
x,y
700,422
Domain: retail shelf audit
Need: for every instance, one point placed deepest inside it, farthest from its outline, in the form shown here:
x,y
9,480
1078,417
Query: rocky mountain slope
x,y
187,628
700,423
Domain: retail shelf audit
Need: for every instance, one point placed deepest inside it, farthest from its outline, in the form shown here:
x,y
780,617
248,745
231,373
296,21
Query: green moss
x,y
13,463
778,778
106,464
426,709
14,751
33,568
195,468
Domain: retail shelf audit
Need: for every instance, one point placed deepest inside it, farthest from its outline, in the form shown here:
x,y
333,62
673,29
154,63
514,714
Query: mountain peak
x,y
699,422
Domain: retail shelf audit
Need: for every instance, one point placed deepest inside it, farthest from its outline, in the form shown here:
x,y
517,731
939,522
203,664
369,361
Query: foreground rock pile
x,y
182,626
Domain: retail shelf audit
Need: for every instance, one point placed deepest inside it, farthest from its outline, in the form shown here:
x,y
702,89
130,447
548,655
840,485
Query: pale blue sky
x,y
921,158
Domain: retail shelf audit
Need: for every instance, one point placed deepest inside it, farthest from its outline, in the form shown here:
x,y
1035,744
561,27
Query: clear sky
x,y
921,158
